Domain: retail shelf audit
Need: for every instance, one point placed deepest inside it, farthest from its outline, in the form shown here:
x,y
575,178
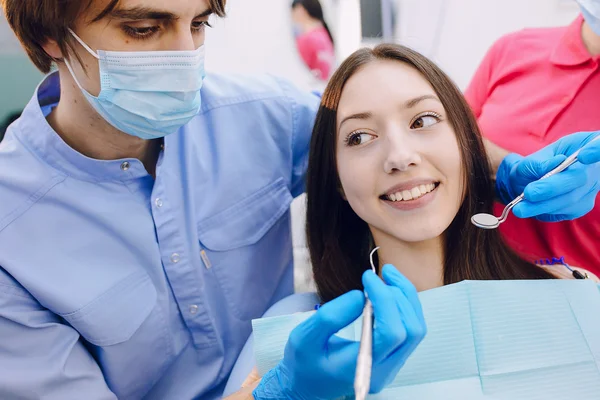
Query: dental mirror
x,y
489,221
485,221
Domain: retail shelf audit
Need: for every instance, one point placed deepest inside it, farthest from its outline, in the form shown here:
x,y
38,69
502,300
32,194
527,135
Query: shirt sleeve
x,y
478,90
40,357
304,107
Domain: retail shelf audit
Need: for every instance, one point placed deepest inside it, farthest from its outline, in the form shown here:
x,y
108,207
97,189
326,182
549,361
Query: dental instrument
x,y
364,362
489,221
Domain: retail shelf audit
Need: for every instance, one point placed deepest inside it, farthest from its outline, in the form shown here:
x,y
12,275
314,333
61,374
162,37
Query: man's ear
x,y
52,48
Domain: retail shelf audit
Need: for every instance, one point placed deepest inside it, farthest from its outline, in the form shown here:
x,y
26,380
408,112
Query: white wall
x,y
256,36
457,33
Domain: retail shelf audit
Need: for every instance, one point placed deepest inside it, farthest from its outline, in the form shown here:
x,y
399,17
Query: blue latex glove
x,y
568,195
319,365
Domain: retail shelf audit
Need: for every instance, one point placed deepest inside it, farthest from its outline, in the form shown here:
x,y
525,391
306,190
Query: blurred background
x,y
261,36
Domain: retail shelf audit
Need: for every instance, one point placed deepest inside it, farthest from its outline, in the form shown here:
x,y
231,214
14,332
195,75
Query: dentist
x,y
144,216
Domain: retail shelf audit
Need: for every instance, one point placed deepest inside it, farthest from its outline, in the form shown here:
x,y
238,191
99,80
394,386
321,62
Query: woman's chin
x,y
410,233
417,238
412,227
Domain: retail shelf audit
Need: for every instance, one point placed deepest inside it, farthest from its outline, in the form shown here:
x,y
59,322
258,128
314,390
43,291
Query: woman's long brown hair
x,y
339,241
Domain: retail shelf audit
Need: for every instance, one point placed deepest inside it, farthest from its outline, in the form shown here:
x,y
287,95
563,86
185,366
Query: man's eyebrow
x,y
413,102
205,13
362,116
145,13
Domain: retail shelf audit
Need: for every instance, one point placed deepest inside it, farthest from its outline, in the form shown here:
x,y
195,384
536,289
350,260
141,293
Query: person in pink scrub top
x,y
313,37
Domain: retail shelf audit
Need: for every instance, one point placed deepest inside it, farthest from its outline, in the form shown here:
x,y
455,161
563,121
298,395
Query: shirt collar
x,y
570,50
37,135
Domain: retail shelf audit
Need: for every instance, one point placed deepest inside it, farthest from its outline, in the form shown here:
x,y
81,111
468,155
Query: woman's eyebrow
x,y
413,102
361,116
409,104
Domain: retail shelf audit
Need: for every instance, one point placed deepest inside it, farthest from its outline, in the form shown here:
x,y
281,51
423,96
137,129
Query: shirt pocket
x,y
114,316
128,335
249,247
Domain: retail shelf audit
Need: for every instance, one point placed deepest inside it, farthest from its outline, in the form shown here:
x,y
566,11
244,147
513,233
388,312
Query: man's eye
x,y
357,138
143,32
198,26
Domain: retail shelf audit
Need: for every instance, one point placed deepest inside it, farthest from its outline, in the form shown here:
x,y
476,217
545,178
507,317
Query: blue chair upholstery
x,y
299,302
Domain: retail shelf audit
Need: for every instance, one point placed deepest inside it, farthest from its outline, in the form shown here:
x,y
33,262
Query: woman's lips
x,y
407,205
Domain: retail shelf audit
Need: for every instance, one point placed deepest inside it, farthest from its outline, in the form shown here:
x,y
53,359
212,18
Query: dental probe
x,y
362,378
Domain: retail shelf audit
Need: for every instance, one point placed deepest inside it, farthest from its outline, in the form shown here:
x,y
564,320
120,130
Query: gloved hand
x,y
568,195
319,365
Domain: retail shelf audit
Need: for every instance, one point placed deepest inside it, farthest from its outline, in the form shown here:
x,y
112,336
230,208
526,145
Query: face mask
x,y
147,94
591,13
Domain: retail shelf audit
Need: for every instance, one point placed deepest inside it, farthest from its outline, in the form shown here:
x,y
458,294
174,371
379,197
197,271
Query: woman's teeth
x,y
412,194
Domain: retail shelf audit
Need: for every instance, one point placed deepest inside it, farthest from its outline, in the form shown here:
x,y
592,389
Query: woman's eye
x,y
358,138
425,121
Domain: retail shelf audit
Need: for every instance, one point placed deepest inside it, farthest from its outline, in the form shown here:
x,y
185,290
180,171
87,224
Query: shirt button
x,y
158,202
193,309
175,258
125,166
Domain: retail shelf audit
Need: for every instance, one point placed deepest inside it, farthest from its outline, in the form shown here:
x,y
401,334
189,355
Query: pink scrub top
x,y
532,88
317,51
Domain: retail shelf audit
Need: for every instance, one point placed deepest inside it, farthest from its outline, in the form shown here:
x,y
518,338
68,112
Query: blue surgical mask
x,y
591,13
147,94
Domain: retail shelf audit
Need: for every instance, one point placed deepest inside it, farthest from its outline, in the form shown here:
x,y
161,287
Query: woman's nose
x,y
401,154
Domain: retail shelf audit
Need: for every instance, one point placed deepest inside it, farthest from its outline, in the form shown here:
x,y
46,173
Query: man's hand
x,y
565,196
319,365
496,155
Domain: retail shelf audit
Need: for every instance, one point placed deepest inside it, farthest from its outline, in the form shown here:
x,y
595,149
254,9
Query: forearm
x,y
495,155
248,386
244,394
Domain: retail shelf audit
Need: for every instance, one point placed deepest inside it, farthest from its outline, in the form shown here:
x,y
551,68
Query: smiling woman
x,y
397,161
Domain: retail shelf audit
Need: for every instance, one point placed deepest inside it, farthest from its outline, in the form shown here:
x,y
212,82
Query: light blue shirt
x,y
115,284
